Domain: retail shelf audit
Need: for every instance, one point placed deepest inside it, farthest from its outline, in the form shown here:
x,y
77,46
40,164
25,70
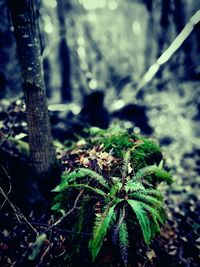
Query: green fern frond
x,y
155,218
56,206
151,192
158,217
84,172
150,200
146,171
153,201
164,176
133,186
66,178
84,186
143,219
122,214
123,241
69,178
101,226
160,174
115,189
58,202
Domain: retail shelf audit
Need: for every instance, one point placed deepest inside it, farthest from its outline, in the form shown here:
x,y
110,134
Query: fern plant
x,y
128,193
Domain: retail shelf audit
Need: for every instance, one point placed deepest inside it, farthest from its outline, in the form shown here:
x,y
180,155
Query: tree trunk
x,y
164,34
42,154
150,50
64,54
180,21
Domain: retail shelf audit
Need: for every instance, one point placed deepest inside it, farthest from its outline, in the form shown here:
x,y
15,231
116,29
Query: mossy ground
x,y
103,152
144,151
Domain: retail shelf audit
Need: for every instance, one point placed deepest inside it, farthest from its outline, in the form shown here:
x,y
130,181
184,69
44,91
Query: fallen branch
x,y
17,211
68,213
178,41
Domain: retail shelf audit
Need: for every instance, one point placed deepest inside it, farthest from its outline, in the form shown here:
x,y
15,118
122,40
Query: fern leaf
x,y
157,218
133,186
150,200
65,178
101,226
80,173
115,189
160,174
164,176
123,241
84,172
56,206
154,224
151,192
142,219
120,221
84,186
154,193
146,171
63,187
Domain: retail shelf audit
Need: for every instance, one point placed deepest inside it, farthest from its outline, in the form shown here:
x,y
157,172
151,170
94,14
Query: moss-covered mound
x,y
115,173
144,151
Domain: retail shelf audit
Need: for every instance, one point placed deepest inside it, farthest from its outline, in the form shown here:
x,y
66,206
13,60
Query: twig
x,y
44,225
17,211
44,254
69,212
9,185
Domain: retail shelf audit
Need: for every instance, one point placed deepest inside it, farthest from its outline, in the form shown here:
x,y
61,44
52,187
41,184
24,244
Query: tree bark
x,y
42,154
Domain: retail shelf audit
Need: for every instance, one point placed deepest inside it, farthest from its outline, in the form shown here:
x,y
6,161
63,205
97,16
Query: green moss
x,y
119,143
144,151
147,153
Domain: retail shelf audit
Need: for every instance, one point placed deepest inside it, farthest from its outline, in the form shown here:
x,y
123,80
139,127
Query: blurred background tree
x,y
105,45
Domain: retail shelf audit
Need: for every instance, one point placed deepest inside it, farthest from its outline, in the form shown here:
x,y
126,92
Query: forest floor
x,y
173,114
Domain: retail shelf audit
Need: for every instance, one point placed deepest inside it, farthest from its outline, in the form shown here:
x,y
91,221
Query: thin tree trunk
x,y
42,154
64,55
149,51
180,21
163,36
